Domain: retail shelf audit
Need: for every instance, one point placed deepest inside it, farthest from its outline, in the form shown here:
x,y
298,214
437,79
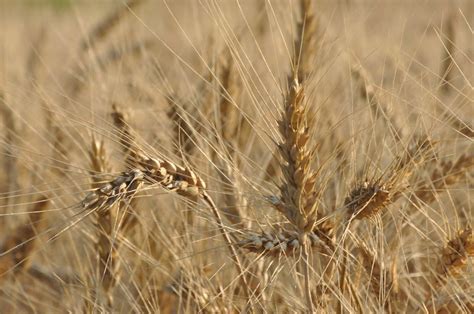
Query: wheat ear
x,y
305,45
369,198
104,27
455,254
105,247
18,247
452,263
170,177
447,174
130,149
10,158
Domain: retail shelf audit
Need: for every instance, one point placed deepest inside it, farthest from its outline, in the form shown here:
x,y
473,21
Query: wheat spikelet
x,y
298,201
121,188
366,200
298,193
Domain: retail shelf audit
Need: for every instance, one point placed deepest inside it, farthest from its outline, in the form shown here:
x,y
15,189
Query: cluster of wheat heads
x,y
267,160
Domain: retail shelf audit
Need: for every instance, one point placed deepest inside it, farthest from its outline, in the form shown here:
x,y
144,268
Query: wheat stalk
x,y
447,62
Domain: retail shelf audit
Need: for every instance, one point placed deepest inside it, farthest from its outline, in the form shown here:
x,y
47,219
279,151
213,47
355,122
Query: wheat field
x,y
280,156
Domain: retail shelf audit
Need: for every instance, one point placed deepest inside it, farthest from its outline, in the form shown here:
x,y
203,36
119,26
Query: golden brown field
x,y
281,156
